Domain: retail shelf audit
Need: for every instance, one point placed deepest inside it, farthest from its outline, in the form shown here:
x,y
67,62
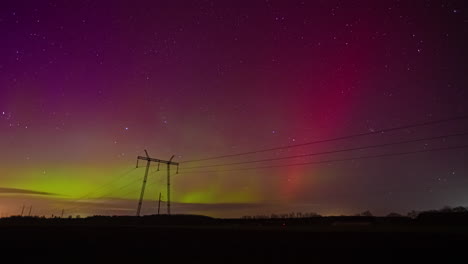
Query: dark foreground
x,y
192,239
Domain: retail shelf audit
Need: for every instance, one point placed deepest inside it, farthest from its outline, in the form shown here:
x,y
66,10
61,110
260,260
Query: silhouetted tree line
x,y
446,215
283,216
444,210
412,214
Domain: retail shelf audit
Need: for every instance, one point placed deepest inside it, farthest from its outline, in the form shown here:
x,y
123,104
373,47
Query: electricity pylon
x,y
148,162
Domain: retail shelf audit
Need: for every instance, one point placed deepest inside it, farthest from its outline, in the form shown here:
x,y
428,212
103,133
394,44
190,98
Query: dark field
x,y
193,239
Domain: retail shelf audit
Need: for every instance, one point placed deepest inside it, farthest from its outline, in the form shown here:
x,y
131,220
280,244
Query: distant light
x,y
126,128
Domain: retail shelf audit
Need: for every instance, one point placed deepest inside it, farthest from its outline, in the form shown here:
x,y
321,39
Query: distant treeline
x,y
412,214
446,215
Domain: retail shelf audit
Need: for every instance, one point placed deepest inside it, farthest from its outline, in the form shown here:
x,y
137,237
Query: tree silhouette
x,y
366,213
394,215
459,209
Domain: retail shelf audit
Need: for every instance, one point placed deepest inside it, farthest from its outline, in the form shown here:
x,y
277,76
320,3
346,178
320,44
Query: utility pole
x,y
148,162
63,210
30,209
159,203
22,210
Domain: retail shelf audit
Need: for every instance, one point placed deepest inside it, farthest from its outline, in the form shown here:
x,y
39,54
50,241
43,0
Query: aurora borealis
x,y
86,86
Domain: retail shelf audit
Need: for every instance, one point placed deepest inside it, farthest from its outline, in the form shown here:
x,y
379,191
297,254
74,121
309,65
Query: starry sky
x,y
86,86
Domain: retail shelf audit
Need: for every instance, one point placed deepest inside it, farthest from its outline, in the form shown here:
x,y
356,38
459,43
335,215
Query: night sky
x,y
86,86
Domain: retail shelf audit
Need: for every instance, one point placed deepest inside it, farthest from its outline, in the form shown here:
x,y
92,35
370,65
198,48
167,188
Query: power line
x,y
332,139
331,152
119,177
149,184
336,160
105,195
87,205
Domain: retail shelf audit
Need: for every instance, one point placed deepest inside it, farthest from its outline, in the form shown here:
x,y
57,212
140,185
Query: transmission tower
x,y
159,161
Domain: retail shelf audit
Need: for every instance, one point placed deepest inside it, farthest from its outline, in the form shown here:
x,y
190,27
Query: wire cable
x,y
336,160
331,152
332,139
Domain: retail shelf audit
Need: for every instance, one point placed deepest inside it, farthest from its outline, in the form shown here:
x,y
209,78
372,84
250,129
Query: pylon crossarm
x,y
158,160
